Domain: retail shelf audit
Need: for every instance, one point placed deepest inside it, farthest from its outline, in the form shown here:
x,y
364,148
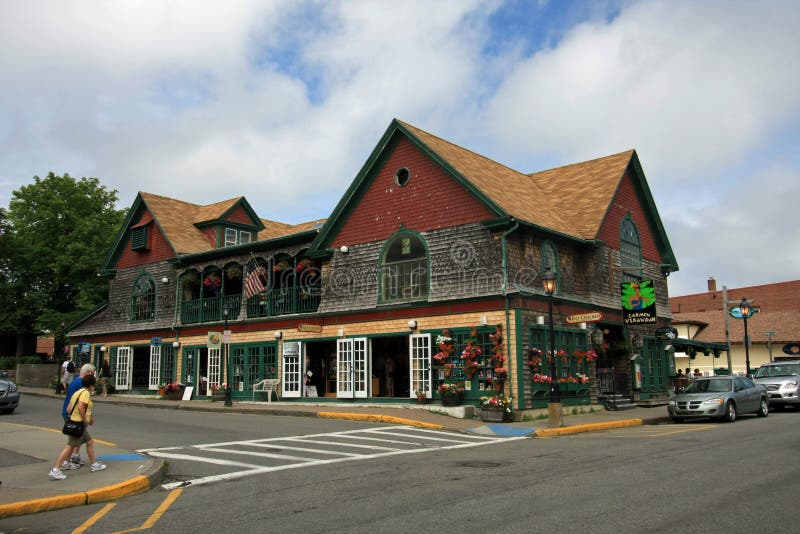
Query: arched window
x,y
550,260
630,251
404,268
143,299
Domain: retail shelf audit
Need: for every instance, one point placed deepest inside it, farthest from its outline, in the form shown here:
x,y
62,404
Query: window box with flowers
x,y
452,394
496,409
218,392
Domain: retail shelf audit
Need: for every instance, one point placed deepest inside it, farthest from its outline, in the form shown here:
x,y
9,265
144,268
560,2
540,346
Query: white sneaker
x,y
97,466
76,459
69,466
56,474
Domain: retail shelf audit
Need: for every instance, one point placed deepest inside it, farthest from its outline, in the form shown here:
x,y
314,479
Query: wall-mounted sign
x,y
638,302
666,333
792,349
584,317
214,340
155,341
736,312
316,328
84,347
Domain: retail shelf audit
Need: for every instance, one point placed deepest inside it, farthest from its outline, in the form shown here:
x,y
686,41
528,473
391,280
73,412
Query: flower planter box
x,y
217,396
175,395
492,414
452,399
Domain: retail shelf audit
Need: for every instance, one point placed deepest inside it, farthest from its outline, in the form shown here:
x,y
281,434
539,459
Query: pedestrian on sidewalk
x,y
105,374
74,461
80,409
68,371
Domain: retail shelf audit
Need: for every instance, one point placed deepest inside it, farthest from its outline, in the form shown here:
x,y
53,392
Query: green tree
x,y
60,229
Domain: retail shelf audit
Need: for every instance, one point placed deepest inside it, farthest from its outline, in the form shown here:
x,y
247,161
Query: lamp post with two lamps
x,y
555,410
746,310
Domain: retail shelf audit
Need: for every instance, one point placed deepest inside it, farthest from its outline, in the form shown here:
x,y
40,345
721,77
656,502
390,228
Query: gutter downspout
x,y
504,253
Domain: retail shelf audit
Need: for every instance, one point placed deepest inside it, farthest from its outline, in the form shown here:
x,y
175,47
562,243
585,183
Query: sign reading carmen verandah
x,y
638,302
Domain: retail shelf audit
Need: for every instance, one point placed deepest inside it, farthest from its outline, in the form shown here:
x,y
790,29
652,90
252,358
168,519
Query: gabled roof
x,y
180,222
571,201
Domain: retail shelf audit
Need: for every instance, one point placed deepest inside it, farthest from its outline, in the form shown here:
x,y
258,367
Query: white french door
x,y
419,356
352,365
292,381
214,364
122,373
155,366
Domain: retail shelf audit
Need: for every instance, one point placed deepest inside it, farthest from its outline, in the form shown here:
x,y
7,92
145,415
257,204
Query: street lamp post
x,y
745,308
228,401
554,408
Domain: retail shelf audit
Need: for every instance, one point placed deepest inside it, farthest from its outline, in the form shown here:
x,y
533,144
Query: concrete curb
x,y
377,419
132,486
590,427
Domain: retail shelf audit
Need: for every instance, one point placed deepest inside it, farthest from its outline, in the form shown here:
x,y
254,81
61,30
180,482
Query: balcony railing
x,y
284,301
210,309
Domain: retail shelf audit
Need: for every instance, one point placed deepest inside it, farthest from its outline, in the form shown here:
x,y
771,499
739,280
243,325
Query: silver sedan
x,y
719,397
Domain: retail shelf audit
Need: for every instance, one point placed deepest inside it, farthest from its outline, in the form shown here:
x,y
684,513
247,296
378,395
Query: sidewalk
x,y
26,452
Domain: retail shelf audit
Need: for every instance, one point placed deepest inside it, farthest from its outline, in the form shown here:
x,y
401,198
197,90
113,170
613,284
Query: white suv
x,y
782,380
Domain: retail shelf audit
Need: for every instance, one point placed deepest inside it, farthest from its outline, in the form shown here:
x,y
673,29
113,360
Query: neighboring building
x,y
429,241
774,329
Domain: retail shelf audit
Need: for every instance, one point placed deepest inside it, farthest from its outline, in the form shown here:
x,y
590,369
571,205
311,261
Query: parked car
x,y
782,380
719,397
9,396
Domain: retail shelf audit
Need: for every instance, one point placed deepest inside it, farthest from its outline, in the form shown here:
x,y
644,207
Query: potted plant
x,y
218,392
422,396
451,393
495,408
448,369
500,375
174,390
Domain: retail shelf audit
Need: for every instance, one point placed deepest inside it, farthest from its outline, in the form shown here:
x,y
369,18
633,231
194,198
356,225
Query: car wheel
x,y
764,410
730,412
677,419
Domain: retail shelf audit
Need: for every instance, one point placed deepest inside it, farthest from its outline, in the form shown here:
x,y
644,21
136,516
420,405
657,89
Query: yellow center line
x,y
94,519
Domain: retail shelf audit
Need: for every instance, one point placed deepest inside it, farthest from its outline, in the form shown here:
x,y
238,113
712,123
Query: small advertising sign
x,y
666,333
84,347
214,340
584,317
638,302
156,341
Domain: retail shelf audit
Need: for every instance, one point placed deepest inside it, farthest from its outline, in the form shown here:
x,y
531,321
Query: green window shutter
x,y
139,238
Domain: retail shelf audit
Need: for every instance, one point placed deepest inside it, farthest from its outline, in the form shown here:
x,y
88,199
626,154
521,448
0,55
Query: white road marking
x,y
427,440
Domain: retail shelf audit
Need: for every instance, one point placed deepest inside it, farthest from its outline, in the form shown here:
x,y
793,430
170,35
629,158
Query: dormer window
x,y
235,237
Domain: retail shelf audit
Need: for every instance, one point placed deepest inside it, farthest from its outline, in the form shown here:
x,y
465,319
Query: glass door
x,y
292,370
420,364
155,367
122,374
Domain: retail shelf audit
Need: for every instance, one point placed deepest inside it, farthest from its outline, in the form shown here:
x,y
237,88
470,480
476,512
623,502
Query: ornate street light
x,y
745,309
554,404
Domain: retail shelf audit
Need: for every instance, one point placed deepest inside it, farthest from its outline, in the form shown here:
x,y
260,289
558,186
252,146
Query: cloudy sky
x,y
282,102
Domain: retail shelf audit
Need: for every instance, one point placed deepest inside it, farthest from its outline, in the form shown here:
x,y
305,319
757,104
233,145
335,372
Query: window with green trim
x,y
235,237
143,299
549,258
630,251
404,269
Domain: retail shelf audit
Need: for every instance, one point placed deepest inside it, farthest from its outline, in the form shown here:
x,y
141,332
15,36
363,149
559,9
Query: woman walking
x,y
80,409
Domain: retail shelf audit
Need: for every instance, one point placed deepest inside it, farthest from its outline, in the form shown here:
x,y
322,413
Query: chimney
x,y
712,284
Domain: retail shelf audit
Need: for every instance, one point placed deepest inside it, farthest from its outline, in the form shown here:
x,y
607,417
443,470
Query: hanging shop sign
x,y
736,312
155,341
666,333
638,302
584,317
792,349
316,328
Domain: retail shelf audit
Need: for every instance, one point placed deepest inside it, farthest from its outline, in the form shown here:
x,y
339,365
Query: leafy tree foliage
x,y
57,233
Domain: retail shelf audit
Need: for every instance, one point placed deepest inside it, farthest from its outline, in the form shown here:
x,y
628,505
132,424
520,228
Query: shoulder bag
x,y
73,428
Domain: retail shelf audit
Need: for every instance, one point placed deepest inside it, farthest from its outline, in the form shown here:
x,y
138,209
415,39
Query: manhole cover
x,y
480,464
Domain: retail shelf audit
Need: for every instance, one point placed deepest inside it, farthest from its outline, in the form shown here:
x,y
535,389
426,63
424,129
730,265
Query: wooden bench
x,y
268,386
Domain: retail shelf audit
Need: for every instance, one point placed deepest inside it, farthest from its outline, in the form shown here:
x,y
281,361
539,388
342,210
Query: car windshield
x,y
712,385
788,369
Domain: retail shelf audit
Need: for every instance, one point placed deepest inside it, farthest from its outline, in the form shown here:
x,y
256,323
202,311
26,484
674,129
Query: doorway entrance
x,y
390,375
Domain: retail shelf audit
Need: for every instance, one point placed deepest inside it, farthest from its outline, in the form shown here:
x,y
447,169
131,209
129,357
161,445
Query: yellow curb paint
x,y
578,429
42,505
115,491
378,419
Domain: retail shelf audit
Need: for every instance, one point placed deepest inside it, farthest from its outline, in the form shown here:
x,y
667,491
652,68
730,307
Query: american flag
x,y
254,281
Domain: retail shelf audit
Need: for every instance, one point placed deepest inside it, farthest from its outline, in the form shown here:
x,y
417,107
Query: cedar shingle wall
x,y
431,200
626,200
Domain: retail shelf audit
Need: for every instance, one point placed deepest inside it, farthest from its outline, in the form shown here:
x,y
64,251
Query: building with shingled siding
x,y
433,257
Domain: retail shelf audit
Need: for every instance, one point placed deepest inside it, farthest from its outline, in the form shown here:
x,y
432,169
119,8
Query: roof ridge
x,y
629,151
